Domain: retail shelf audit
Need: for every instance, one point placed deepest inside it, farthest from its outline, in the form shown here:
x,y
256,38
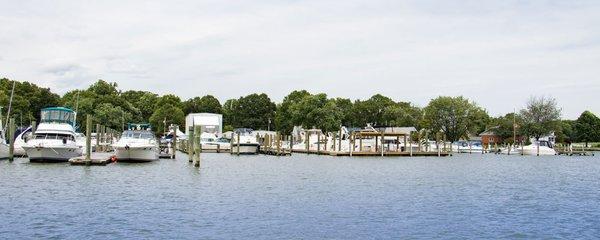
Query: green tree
x,y
566,134
206,104
165,115
283,117
372,111
143,101
27,102
456,117
111,116
587,128
541,117
252,111
503,126
316,111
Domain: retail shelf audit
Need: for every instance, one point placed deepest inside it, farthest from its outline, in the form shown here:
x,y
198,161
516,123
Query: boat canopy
x,y
58,115
139,126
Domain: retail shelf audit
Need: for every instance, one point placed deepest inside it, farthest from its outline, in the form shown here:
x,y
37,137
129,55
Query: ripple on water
x,y
265,197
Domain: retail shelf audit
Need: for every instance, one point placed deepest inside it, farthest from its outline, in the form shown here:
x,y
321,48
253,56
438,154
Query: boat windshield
x,y
60,115
138,134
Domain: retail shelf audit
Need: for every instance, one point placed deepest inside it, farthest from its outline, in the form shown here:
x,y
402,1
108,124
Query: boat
x,y
541,147
472,146
244,142
210,142
137,144
23,135
4,147
54,139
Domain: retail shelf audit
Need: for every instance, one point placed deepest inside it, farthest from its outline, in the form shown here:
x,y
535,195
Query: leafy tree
x,y
316,111
587,128
111,116
372,110
565,133
28,100
169,99
541,117
165,115
143,101
206,104
503,126
456,117
229,114
283,117
344,105
252,111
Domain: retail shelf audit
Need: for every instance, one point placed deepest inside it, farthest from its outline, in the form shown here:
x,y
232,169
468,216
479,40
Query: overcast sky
x,y
497,53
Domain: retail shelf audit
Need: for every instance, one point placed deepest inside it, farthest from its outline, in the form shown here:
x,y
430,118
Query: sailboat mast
x,y
12,93
514,126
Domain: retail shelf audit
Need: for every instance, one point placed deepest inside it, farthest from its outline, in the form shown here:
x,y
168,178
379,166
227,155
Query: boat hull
x,y
52,154
245,148
136,154
544,151
4,151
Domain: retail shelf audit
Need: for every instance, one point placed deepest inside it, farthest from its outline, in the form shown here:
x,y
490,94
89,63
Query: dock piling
x,y
11,139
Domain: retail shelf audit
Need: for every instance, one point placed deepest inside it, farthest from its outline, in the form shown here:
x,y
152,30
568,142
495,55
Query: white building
x,y
209,122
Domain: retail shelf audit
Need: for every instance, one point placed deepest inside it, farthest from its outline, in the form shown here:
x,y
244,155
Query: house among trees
x,y
489,137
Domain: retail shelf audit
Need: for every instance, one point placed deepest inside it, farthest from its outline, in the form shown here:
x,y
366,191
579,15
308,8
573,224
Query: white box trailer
x,y
208,122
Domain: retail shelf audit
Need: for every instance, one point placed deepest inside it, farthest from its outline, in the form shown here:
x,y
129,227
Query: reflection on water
x,y
465,196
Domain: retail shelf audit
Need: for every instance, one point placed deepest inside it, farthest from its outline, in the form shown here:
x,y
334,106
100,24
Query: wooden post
x,y
196,146
326,142
318,143
334,137
174,141
397,143
419,139
382,142
11,139
404,143
360,145
353,143
190,144
33,126
307,143
340,141
88,138
376,143
238,144
97,137
291,143
410,147
538,148
278,137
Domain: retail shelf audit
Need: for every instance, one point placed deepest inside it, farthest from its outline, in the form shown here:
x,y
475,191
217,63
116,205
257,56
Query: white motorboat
x,y
22,137
138,144
210,142
54,139
244,142
468,147
542,148
4,148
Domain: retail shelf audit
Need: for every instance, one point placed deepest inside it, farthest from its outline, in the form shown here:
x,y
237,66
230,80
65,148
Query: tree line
x,y
453,117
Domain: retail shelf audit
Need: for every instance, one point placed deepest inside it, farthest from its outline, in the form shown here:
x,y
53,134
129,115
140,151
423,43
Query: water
x,y
304,197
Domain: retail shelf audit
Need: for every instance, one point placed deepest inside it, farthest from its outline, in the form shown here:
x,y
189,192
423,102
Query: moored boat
x,y
54,139
138,144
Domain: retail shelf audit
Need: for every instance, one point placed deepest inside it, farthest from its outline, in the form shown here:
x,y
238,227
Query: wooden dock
x,y
97,158
574,153
374,154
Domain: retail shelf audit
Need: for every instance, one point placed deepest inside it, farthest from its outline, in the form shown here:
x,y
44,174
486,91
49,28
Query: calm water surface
x,y
304,197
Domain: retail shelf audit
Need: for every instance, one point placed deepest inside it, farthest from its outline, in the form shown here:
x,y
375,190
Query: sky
x,y
496,53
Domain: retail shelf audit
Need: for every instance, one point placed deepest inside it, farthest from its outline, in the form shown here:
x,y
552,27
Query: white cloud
x,y
498,54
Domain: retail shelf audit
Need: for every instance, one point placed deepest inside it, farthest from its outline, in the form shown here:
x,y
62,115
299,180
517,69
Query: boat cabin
x,y
58,115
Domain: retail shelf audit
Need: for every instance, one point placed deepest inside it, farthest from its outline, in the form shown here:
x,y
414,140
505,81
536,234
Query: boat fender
x,y
113,158
126,147
64,140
